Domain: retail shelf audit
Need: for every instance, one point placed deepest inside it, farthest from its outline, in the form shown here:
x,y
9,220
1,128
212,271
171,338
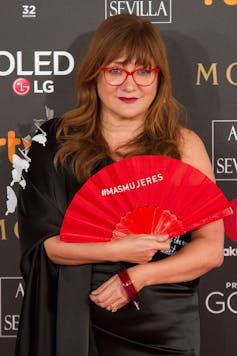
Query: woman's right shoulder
x,y
50,127
193,152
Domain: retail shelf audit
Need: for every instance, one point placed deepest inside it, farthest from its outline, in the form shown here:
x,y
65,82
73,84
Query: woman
x,y
75,301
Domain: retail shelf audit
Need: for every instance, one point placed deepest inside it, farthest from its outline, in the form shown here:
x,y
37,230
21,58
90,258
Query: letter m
x,y
207,74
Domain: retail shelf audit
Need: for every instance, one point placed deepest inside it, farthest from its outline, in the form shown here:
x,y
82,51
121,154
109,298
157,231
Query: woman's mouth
x,y
128,100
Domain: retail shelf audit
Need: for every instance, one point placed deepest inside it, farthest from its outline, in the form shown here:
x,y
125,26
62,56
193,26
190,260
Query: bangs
x,y
130,48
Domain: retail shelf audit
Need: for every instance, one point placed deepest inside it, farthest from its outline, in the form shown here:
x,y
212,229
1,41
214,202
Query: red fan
x,y
143,194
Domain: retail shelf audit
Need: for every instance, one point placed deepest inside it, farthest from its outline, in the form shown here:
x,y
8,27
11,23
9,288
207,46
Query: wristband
x,y
129,287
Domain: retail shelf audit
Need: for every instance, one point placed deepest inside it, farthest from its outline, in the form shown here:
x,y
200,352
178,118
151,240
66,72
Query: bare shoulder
x,y
193,152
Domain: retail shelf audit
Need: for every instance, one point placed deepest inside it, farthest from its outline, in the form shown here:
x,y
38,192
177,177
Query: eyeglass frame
x,y
104,69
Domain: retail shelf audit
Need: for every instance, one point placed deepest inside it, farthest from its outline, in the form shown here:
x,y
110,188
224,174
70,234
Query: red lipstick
x,y
127,100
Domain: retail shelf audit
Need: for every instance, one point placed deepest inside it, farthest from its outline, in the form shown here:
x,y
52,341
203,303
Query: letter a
x,y
161,8
20,290
232,132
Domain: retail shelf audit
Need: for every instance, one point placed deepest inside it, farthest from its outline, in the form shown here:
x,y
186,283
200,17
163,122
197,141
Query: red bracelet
x,y
129,287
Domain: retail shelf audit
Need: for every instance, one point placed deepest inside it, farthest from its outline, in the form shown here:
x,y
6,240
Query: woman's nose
x,y
129,83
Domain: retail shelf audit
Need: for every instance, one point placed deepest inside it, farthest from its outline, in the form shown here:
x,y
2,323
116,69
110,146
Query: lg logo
x,y
227,2
21,86
44,63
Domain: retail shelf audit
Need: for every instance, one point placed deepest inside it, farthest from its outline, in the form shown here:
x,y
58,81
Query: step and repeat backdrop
x,y
41,46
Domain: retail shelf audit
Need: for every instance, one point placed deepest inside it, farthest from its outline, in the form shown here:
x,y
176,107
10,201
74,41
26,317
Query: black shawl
x,y
55,318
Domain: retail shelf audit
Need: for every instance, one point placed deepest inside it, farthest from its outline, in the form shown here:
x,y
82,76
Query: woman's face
x,y
128,100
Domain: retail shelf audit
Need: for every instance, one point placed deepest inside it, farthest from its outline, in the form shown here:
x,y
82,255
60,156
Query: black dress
x,y
57,317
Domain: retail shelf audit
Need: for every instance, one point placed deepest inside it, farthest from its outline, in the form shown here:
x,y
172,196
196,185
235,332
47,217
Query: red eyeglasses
x,y
141,76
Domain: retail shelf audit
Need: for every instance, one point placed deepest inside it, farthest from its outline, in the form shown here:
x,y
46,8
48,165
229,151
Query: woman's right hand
x,y
140,248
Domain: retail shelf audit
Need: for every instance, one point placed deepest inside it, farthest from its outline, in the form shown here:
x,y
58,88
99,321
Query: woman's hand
x,y
136,249
111,295
139,249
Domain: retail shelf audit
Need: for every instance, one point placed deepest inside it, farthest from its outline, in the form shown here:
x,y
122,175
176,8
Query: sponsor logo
x,y
11,295
230,251
224,148
43,64
156,11
21,86
209,74
13,229
12,141
227,2
28,11
218,302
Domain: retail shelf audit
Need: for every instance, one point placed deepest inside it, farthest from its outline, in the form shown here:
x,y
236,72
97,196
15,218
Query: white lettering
x,y
222,304
71,62
148,180
154,178
229,303
131,9
120,6
20,70
20,291
39,63
160,176
162,8
232,285
11,322
52,62
46,87
226,165
125,187
11,63
109,191
142,182
232,133
113,7
120,189
140,8
116,190
230,251
142,13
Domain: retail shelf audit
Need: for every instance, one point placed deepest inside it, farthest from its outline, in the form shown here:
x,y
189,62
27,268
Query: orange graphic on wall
x,y
227,2
12,142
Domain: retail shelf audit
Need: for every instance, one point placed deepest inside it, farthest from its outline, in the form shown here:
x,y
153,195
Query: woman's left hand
x,y
111,295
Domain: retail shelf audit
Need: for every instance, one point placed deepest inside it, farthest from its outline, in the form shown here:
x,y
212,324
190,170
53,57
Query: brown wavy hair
x,y
81,144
